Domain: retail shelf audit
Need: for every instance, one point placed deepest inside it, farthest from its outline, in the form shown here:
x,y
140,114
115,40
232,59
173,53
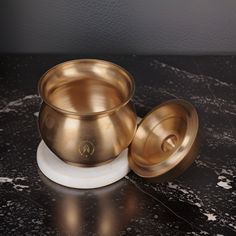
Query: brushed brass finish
x,y
165,142
87,117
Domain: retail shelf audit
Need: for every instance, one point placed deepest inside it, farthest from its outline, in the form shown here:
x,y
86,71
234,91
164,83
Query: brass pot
x,y
87,117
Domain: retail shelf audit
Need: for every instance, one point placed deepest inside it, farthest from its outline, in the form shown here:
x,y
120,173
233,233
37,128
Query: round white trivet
x,y
81,177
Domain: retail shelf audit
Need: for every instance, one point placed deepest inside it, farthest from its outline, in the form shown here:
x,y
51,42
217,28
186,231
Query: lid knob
x,y
169,143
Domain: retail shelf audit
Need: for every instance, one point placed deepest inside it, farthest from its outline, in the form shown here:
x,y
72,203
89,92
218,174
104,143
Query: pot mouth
x,y
86,87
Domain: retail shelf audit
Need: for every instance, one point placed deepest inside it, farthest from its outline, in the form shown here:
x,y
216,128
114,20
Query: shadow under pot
x,y
87,117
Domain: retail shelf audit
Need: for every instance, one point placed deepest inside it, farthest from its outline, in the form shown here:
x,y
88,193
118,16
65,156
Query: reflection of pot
x,y
87,117
98,211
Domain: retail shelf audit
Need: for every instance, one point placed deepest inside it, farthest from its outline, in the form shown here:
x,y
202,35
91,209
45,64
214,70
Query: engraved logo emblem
x,y
86,149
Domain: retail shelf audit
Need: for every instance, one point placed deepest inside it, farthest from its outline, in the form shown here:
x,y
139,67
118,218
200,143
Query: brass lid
x,y
165,142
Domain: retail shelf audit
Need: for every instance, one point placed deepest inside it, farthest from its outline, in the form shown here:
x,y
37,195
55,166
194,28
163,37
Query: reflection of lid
x,y
164,144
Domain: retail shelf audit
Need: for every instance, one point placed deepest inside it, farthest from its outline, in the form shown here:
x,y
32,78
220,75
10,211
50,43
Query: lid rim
x,y
180,155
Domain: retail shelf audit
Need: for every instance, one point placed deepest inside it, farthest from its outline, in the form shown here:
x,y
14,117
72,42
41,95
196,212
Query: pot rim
x,y
89,114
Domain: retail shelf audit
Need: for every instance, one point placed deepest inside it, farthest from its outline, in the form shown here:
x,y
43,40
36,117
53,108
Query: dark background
x,y
118,27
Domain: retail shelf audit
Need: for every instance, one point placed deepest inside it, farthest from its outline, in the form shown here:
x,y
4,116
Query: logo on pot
x,y
86,149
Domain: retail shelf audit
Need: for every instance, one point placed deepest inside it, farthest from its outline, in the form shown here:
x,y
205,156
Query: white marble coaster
x,y
81,177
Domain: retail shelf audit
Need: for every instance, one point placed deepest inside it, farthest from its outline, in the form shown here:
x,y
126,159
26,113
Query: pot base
x,y
81,177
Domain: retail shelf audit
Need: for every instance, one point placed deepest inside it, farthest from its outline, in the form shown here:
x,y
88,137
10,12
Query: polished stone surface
x,y
202,201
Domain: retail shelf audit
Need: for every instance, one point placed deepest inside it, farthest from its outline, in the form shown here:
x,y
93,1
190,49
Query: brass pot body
x,y
87,117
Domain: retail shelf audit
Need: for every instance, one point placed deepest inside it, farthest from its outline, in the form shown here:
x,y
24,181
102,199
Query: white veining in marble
x,y
16,186
10,106
210,216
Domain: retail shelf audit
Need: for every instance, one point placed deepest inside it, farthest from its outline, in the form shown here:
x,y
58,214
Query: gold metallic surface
x,y
87,117
165,142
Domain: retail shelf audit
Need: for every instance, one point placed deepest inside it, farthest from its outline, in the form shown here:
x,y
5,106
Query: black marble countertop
x,y
200,202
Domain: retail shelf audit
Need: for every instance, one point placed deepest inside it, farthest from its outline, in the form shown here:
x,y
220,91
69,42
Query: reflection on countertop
x,y
95,210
